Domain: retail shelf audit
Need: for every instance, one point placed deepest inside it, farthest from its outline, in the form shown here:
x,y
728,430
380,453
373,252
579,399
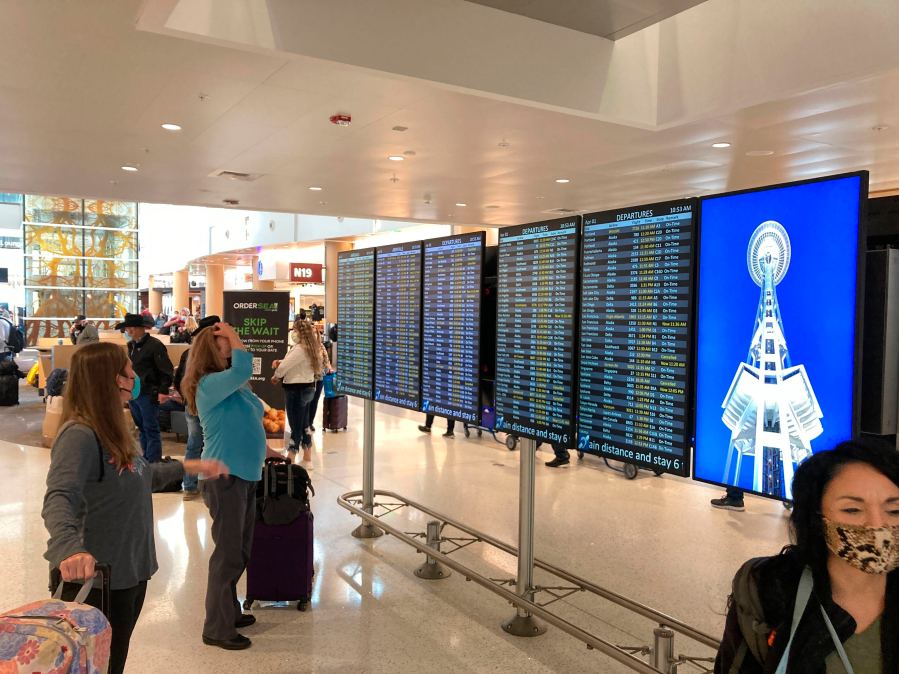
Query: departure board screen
x,y
398,325
453,270
635,332
536,290
355,319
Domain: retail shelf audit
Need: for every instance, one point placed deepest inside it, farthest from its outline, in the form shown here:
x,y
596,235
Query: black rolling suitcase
x,y
334,414
9,390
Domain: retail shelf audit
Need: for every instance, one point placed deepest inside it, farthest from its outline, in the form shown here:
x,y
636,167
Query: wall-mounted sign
x,y
305,272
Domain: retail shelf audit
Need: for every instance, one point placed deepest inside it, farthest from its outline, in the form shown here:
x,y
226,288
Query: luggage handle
x,y
82,593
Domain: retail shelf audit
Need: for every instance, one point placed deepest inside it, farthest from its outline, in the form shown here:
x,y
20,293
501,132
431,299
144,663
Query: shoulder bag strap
x,y
836,642
803,594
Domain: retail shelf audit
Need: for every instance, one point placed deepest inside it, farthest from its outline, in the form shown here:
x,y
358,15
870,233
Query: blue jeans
x,y
194,447
297,402
144,413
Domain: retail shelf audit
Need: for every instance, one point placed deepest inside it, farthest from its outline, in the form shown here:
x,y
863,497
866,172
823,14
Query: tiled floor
x,y
655,540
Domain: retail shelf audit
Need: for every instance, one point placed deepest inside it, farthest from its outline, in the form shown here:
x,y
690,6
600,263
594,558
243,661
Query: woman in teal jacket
x,y
231,416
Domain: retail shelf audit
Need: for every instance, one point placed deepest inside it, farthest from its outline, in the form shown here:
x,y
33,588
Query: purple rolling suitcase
x,y
280,567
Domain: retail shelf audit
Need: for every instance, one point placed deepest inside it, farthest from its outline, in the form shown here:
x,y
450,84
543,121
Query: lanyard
x,y
802,596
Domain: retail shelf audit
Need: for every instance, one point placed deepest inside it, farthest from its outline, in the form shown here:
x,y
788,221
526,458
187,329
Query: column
x,y
180,290
331,250
155,298
215,289
257,284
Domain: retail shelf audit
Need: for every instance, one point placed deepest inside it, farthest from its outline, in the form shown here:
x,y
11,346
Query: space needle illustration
x,y
770,408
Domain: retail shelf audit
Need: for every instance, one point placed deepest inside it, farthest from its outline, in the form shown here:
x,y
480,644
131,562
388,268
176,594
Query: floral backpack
x,y
55,637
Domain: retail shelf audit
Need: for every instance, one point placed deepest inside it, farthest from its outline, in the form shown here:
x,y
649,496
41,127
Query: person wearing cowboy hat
x,y
151,364
195,440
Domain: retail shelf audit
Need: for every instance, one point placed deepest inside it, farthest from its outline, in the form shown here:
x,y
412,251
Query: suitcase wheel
x,y
247,604
302,605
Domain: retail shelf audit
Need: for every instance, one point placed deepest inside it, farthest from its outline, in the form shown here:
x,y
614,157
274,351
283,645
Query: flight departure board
x,y
355,318
536,290
398,325
453,270
635,335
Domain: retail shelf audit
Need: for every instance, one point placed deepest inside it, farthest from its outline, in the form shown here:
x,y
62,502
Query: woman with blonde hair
x,y
98,506
216,389
296,374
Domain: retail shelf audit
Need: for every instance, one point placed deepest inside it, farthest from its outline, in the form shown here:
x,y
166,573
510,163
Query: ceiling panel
x,y
610,19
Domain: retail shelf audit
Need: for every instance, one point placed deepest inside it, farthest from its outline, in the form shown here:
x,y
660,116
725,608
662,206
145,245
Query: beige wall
x,y
332,248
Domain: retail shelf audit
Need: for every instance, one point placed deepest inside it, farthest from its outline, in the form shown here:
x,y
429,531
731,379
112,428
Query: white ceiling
x,y
611,19
82,91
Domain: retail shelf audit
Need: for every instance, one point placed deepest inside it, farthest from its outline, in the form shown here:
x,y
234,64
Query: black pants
x,y
124,609
313,406
450,423
232,506
561,451
735,493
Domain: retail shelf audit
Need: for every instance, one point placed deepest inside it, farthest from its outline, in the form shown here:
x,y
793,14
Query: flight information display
x,y
453,271
636,296
398,325
536,290
355,317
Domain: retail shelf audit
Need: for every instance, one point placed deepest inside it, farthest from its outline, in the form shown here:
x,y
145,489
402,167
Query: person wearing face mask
x,y
216,388
151,362
98,506
828,603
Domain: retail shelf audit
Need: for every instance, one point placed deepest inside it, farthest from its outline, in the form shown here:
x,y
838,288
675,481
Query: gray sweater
x,y
112,518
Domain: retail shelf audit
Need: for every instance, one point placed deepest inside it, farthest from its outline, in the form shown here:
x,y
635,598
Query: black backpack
x,y
282,494
56,382
16,340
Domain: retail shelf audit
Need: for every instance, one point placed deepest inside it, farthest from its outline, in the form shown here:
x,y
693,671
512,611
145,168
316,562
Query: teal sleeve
x,y
217,386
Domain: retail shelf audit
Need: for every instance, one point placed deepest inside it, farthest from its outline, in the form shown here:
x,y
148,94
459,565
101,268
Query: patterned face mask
x,y
871,549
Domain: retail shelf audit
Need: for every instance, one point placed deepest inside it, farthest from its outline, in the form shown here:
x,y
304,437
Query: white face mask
x,y
870,549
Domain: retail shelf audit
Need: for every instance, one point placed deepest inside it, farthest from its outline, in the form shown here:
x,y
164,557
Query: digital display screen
x,y
398,325
453,270
635,339
536,290
355,318
776,331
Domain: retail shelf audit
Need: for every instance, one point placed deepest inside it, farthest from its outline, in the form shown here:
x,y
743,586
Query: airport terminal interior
x,y
642,253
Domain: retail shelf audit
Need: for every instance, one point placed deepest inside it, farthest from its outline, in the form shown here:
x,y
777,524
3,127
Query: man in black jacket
x,y
152,365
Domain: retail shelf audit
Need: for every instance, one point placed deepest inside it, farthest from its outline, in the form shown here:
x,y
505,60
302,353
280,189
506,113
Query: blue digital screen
x,y
776,331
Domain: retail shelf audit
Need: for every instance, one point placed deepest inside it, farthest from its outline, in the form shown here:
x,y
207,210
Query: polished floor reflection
x,y
653,539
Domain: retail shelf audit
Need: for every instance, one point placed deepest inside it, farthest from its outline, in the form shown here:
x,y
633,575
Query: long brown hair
x,y
204,358
307,338
92,398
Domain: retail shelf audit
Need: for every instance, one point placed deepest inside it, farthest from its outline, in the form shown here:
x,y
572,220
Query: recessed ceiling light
x,y
129,167
538,197
396,157
409,153
168,126
880,127
492,206
461,205
315,188
562,181
400,128
721,146
760,153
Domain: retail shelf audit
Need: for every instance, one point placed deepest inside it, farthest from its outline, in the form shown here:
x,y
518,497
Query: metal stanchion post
x,y
663,650
523,624
432,569
366,530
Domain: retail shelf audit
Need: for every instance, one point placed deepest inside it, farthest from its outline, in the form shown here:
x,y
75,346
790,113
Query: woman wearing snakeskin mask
x,y
828,603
